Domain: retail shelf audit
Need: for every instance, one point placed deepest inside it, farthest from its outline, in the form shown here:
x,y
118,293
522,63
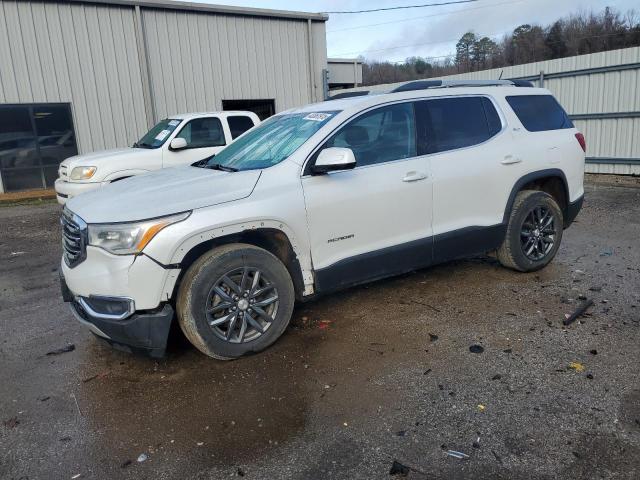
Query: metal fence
x,y
601,93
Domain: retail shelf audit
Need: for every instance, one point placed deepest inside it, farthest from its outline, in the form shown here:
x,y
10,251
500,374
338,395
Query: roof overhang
x,y
209,8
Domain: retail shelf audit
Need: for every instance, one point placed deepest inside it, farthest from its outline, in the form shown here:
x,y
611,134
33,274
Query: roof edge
x,y
211,8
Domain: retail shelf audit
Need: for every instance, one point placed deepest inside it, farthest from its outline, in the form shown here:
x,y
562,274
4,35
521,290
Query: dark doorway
x,y
34,139
263,108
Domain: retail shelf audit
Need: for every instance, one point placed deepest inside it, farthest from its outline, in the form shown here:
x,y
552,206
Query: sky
x,y
427,32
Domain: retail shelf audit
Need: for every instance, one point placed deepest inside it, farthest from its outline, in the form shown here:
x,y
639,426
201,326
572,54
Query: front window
x,y
271,142
158,134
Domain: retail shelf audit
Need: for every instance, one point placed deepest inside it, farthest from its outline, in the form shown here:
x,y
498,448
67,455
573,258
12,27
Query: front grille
x,y
74,238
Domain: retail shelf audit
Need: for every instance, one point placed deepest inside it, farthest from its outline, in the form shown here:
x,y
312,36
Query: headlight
x,y
82,173
128,238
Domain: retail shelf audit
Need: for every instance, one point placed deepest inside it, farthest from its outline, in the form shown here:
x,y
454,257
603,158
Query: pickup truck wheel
x,y
235,299
534,232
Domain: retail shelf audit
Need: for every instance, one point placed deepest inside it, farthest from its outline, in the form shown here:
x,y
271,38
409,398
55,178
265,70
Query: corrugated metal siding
x,y
198,59
87,55
82,54
606,92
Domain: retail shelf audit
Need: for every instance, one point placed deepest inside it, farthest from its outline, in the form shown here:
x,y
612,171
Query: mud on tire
x,y
234,300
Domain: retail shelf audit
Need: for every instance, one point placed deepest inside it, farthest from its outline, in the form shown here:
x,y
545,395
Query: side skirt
x,y
407,257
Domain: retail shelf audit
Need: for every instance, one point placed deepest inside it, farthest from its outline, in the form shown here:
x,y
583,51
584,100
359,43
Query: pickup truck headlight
x,y
129,238
83,173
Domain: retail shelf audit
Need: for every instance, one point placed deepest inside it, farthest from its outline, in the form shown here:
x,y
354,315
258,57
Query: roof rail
x,y
357,93
424,84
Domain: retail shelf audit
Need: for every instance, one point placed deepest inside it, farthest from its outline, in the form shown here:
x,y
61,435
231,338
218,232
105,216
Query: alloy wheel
x,y
242,305
537,235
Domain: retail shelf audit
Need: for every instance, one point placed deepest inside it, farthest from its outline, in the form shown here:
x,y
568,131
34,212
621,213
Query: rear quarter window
x,y
539,113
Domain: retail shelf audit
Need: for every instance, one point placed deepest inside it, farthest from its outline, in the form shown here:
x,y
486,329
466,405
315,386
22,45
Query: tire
x,y
207,301
526,244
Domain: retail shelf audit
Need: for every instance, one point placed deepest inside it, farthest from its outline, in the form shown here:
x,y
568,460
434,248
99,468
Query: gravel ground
x,y
375,374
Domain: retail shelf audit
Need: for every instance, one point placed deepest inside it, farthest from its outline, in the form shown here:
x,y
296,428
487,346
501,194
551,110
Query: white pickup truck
x,y
177,140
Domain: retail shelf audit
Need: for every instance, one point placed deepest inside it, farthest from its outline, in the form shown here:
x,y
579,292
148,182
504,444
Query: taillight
x,y
581,141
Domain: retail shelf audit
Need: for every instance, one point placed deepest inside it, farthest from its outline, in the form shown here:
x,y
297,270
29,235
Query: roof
x,y
220,113
355,104
344,60
210,8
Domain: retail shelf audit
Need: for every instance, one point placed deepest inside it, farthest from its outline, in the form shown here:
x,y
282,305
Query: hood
x,y
115,158
103,154
163,192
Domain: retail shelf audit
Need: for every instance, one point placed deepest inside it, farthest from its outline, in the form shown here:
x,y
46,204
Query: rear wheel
x,y
534,232
234,300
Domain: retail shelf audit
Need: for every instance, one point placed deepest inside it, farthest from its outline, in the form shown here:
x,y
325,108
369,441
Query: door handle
x,y
414,176
510,160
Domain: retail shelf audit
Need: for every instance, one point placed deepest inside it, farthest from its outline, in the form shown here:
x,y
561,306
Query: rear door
x,y
473,166
374,220
204,136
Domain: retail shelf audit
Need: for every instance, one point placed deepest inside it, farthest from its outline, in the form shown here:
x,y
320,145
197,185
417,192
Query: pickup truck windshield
x,y
271,142
158,134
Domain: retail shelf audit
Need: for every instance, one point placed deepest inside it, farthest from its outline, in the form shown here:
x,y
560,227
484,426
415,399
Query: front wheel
x,y
534,232
234,300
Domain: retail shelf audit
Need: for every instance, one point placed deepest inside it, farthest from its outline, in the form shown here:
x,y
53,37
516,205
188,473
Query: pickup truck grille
x,y
74,238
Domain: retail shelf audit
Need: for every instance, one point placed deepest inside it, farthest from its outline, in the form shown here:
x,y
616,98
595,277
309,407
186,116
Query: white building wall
x,y
92,55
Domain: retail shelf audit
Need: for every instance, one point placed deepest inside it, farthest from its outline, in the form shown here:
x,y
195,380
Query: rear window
x,y
238,125
539,113
450,123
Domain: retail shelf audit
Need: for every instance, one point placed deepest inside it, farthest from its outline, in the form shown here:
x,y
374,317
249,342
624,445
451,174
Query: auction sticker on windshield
x,y
163,134
317,117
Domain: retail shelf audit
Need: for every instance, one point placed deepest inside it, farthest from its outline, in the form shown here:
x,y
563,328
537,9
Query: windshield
x,y
271,142
155,137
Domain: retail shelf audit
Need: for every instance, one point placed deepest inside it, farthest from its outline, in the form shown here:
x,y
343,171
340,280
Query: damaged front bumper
x,y
115,320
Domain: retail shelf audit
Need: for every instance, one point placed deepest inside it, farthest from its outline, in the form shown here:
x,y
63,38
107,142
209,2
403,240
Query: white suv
x,y
318,199
178,140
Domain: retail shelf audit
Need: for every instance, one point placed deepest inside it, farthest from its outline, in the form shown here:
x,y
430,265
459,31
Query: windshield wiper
x,y
224,168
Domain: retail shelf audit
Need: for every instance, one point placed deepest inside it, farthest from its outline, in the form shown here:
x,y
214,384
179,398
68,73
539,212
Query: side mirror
x,y
333,159
178,144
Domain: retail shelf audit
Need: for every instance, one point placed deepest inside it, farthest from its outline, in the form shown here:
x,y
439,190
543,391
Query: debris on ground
x,y
476,349
476,444
593,352
607,252
458,455
142,457
481,407
578,367
590,376
433,337
44,399
324,324
77,475
399,469
97,375
497,376
16,254
569,319
240,472
69,348
126,463
427,371
13,422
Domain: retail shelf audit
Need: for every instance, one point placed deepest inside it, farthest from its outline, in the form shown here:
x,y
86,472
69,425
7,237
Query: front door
x,y
204,136
374,220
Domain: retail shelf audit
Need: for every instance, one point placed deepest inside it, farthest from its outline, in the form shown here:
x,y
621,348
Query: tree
x,y
482,51
555,41
463,50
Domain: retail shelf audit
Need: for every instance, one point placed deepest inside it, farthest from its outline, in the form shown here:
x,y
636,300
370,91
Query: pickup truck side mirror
x,y
178,144
332,159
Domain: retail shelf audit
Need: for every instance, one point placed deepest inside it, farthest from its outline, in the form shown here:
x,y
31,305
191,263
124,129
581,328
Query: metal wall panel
x,y
78,53
610,92
198,59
